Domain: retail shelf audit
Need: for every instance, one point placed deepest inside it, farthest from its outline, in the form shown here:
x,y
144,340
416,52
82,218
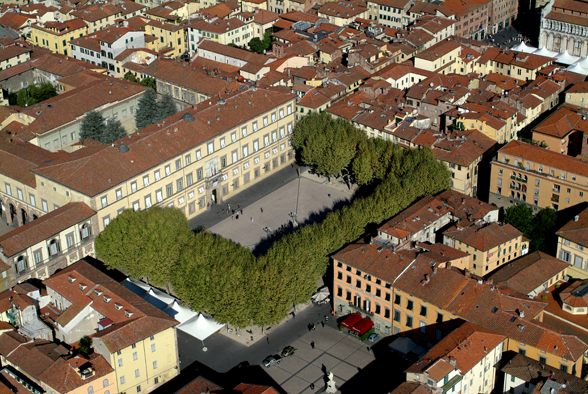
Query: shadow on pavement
x,y
252,375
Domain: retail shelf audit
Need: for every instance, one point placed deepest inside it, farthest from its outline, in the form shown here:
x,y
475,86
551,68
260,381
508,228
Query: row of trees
x,y
536,228
212,274
33,94
335,148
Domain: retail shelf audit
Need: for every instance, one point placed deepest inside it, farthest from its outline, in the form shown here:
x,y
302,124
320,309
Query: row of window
x,y
212,167
32,199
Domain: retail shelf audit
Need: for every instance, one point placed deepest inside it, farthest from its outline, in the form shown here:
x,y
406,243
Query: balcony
x,y
518,188
518,179
553,199
213,180
358,309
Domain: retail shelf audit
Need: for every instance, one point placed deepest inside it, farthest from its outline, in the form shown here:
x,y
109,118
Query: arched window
x,y
53,247
85,230
21,263
90,390
105,383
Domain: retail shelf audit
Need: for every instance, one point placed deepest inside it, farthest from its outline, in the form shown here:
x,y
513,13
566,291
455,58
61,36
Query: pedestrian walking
x,y
267,340
369,349
251,338
309,327
233,217
293,315
236,216
312,384
241,212
323,323
251,218
292,165
329,195
312,344
332,313
261,209
326,318
238,206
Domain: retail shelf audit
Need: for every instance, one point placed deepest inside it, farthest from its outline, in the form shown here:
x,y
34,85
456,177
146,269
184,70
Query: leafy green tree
x,y
520,216
166,107
35,94
92,126
112,131
85,345
326,144
256,45
543,224
129,76
149,82
146,109
145,243
267,39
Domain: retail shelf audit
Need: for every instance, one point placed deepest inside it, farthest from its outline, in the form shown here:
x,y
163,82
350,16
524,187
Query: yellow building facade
x,y
169,37
524,173
56,36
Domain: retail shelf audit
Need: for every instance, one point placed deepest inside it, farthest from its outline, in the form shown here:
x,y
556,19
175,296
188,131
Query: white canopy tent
x,y
545,52
583,62
193,323
200,326
523,47
566,58
576,68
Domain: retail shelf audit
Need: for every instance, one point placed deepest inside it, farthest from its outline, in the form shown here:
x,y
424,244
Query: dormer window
x,y
82,286
118,307
128,314
71,279
107,299
98,293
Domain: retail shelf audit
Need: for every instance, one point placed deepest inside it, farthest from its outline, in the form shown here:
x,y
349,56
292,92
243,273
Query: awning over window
x,y
104,323
351,320
362,326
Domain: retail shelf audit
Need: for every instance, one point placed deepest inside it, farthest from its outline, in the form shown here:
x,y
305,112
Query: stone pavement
x,y
334,352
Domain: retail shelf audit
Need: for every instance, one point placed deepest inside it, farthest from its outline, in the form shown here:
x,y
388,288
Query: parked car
x,y
288,351
373,337
271,360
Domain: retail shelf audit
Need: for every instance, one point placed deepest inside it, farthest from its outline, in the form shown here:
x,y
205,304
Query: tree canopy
x,y
256,45
33,94
150,110
145,244
536,228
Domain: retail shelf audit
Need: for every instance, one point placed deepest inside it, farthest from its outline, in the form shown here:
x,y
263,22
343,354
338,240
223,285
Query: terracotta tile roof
x,y
442,253
192,75
60,28
165,26
519,59
342,9
412,387
70,106
314,99
576,231
15,21
9,341
461,8
580,87
199,386
546,157
569,296
263,16
218,26
461,349
415,218
246,388
484,237
297,16
236,53
21,301
438,50
96,12
134,318
222,10
565,120
433,24
101,168
534,371
44,227
12,51
527,273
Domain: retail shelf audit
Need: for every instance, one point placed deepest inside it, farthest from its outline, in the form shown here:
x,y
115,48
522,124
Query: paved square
x,y
334,350
312,200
